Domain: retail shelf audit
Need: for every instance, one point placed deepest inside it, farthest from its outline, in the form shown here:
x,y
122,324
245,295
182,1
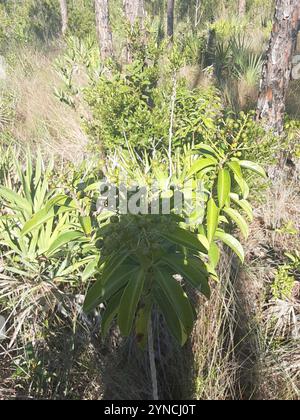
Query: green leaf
x,y
90,269
243,186
236,168
224,187
142,323
244,205
233,243
62,240
213,213
239,220
129,302
254,167
14,199
110,312
177,297
238,176
42,217
36,221
172,320
60,200
200,165
214,254
206,150
192,270
102,291
86,224
187,239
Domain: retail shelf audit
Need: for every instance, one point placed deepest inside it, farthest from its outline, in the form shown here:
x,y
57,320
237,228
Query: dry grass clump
x,y
213,342
275,232
246,342
40,118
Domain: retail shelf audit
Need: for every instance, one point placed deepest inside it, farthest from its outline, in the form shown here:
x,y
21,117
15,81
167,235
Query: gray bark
x,y
64,16
134,11
242,8
277,69
104,32
170,18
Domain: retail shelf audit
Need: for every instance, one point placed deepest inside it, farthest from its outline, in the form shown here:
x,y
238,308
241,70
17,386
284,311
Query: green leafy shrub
x,y
44,19
141,254
128,106
283,285
14,24
82,19
134,107
286,275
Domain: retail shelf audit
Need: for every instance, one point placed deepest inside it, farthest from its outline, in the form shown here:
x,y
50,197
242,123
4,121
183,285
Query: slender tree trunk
x,y
134,11
242,8
170,18
103,29
277,69
197,13
64,16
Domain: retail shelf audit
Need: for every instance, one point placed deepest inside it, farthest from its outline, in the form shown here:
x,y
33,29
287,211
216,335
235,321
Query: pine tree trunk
x,y
170,18
64,16
242,8
134,11
277,69
103,29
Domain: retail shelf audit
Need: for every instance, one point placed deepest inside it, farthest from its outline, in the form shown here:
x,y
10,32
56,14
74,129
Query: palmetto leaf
x,y
62,240
15,201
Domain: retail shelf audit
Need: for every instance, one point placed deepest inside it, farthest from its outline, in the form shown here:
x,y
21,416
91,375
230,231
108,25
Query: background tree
x,y
242,8
134,11
170,13
64,16
277,69
104,32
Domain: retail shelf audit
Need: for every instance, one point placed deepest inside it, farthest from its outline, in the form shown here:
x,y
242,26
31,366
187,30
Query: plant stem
x,y
152,362
173,100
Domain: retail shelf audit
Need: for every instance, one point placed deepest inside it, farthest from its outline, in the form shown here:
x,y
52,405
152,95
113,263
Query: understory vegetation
x,y
200,301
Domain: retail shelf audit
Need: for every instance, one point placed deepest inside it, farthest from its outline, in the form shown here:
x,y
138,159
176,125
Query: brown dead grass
x,y
41,120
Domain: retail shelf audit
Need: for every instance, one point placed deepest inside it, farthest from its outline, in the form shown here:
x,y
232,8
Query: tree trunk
x,y
277,69
170,18
103,29
134,11
242,8
197,13
64,16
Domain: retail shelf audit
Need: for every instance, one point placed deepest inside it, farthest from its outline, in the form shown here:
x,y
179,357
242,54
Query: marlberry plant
x,y
147,261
